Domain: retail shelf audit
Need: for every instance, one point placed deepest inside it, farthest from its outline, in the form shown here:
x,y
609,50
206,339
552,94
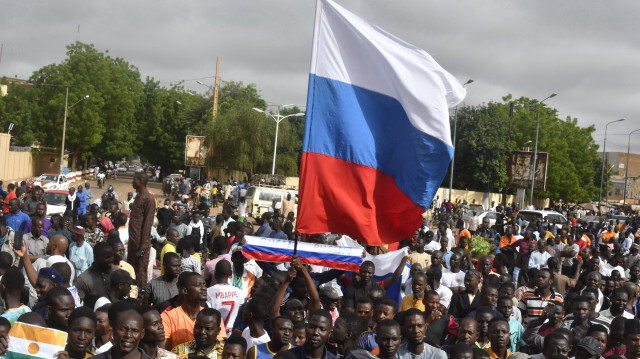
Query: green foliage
x,y
478,247
487,134
242,138
122,116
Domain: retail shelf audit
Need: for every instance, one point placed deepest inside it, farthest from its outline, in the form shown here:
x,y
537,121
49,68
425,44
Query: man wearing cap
x,y
55,253
119,288
588,348
48,278
80,252
329,298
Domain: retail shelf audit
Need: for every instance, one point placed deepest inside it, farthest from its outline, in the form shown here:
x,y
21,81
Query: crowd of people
x,y
543,290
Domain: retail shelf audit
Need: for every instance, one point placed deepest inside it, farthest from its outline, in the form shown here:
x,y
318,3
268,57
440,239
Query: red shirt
x,y
611,350
546,329
582,244
11,195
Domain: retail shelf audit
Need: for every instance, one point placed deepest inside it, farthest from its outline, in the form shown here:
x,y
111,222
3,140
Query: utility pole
x,y
215,89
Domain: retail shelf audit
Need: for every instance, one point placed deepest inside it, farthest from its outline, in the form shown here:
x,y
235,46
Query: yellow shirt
x,y
169,247
408,302
422,258
129,269
493,355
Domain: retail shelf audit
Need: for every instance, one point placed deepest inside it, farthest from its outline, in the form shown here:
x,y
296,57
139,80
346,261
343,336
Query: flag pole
x,y
295,243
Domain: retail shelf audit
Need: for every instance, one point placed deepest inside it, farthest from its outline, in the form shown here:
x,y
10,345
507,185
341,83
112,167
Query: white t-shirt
x,y
251,341
242,209
606,270
225,224
445,295
452,280
226,299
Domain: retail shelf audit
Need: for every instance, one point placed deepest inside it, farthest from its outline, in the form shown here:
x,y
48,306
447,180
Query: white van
x,y
532,215
259,198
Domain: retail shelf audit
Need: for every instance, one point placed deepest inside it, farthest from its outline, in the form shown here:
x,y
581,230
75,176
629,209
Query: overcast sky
x,y
586,51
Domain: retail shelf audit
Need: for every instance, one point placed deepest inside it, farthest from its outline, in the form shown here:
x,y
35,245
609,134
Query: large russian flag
x,y
377,141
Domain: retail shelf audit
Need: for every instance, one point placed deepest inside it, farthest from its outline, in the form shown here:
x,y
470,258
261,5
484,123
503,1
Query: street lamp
x,y
278,118
604,153
453,158
535,150
64,123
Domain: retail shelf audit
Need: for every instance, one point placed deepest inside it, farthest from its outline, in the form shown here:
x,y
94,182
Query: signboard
x,y
195,151
194,172
520,165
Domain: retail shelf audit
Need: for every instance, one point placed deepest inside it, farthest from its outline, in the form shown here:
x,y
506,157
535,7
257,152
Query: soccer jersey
x,y
227,300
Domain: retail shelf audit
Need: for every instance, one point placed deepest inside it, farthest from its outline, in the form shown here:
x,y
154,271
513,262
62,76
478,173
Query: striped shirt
x,y
600,319
533,304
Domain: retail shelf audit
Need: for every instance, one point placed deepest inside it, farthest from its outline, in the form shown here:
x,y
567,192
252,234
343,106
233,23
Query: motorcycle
x,y
100,181
111,174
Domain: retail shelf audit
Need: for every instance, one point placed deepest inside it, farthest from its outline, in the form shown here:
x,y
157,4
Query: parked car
x,y
260,198
488,214
52,181
55,201
534,215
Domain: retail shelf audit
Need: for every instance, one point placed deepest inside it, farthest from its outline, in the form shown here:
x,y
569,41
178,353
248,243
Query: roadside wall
x,y
16,166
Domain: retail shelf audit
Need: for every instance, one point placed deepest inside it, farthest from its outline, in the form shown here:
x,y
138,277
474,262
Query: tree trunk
x,y
74,159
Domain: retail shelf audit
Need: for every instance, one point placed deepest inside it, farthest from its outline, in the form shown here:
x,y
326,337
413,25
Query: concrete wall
x,y
14,166
485,198
19,166
224,175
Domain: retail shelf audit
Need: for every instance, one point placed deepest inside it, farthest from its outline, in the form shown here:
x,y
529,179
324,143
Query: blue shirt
x,y
447,257
17,221
368,340
81,257
516,330
263,231
278,235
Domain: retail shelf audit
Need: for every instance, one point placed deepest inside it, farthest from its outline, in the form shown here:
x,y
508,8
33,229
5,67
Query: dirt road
x,y
123,185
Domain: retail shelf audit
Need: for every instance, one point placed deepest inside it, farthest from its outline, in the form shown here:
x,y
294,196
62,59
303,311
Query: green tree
x,y
102,126
240,137
487,134
163,122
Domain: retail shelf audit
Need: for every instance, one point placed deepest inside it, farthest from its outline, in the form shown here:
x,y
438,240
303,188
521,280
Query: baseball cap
x,y
591,345
77,230
122,276
330,292
184,196
51,274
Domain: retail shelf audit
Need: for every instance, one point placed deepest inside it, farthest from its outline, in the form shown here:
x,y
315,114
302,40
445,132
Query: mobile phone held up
x,y
17,240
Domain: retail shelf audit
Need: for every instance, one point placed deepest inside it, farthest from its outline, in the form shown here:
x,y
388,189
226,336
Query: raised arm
x,y
32,275
274,312
388,282
314,298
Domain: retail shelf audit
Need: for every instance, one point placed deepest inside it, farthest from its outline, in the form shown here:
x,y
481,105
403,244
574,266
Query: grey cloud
x,y
586,51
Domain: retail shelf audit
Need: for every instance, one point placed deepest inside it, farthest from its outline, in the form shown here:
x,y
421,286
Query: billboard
x,y
520,165
195,151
